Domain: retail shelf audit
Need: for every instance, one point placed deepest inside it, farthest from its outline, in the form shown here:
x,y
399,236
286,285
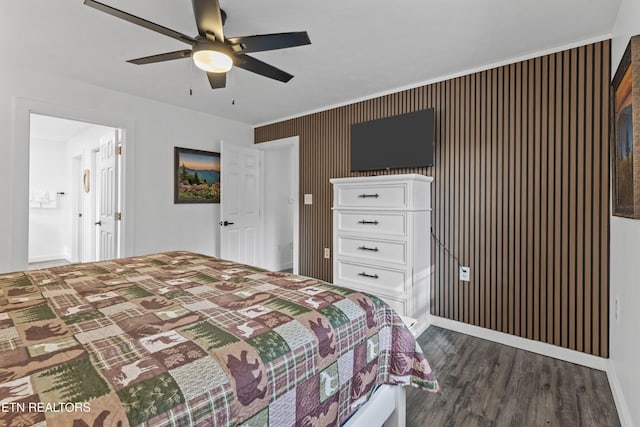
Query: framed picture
x,y
196,176
625,135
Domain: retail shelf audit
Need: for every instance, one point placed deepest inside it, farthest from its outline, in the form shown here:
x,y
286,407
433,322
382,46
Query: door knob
x,y
225,223
99,223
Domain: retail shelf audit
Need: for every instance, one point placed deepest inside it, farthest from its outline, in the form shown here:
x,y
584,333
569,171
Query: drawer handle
x,y
374,276
364,248
364,196
368,222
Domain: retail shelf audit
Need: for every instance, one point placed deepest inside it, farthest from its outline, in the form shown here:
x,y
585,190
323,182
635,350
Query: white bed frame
x,y
386,407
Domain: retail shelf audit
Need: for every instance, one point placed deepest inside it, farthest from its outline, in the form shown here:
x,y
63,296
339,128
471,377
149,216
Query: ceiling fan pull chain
x,y
191,78
233,87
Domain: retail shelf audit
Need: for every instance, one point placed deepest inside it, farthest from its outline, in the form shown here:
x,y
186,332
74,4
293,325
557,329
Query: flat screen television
x,y
404,141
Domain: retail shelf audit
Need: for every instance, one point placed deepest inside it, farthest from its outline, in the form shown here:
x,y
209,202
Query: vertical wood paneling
x,y
511,181
518,190
604,209
558,247
544,201
520,193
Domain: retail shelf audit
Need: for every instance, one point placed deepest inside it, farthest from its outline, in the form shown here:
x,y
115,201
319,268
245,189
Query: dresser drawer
x,y
377,280
374,223
371,196
375,250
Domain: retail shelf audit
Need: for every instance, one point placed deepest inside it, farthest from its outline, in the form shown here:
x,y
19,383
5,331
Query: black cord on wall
x,y
442,245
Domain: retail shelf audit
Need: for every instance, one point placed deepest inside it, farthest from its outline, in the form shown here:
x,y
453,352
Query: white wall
x,y
49,226
278,208
153,222
625,268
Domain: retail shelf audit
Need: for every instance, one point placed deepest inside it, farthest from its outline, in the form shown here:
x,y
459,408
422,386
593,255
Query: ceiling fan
x,y
210,50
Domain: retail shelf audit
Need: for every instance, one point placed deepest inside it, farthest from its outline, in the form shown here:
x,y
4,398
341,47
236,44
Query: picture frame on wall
x,y
196,176
625,133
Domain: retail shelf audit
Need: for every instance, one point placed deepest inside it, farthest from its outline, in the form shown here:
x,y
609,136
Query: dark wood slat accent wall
x,y
520,193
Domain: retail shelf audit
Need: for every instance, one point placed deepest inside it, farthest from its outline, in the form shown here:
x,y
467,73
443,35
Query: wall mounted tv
x,y
404,141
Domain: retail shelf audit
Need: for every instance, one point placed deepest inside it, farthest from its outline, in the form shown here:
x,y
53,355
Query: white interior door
x,y
240,203
108,195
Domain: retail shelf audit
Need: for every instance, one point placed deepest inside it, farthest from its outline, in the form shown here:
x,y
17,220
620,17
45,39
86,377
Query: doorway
x,y
281,207
259,207
66,195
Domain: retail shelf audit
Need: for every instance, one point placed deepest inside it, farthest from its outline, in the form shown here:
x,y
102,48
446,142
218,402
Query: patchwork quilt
x,y
179,339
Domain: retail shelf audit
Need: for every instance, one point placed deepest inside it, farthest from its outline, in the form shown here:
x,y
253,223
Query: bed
x,y
178,339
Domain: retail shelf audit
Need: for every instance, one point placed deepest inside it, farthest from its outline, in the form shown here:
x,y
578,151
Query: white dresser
x,y
381,240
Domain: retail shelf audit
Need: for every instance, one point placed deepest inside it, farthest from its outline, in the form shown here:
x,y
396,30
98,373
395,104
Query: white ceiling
x,y
359,47
55,129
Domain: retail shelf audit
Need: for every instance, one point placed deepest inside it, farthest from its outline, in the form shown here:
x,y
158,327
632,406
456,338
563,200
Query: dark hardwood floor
x,y
489,384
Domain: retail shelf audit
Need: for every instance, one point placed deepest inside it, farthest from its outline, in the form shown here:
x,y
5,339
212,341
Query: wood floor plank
x,y
497,368
488,384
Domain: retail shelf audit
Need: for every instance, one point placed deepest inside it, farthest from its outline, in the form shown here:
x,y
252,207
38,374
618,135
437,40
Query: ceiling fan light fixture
x,y
210,50
212,58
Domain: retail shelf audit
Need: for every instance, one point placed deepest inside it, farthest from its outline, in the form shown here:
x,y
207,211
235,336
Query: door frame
x,y
19,173
77,242
94,203
293,143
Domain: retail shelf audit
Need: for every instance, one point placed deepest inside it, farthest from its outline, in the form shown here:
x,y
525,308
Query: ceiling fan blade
x,y
217,80
254,65
274,41
208,18
169,56
140,21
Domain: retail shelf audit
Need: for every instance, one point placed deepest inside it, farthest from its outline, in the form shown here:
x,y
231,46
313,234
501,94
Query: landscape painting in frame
x,y
197,176
626,177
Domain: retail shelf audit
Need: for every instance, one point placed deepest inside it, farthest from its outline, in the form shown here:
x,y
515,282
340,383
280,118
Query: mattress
x,y
184,339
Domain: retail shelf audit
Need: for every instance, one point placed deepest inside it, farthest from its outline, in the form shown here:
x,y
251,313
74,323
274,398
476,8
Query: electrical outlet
x,y
327,253
616,309
465,274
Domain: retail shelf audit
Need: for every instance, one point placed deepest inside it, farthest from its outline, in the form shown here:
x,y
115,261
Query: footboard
x,y
386,407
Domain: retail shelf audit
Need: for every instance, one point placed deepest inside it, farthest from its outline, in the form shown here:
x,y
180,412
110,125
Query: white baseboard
x,y
538,347
45,258
279,267
618,396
